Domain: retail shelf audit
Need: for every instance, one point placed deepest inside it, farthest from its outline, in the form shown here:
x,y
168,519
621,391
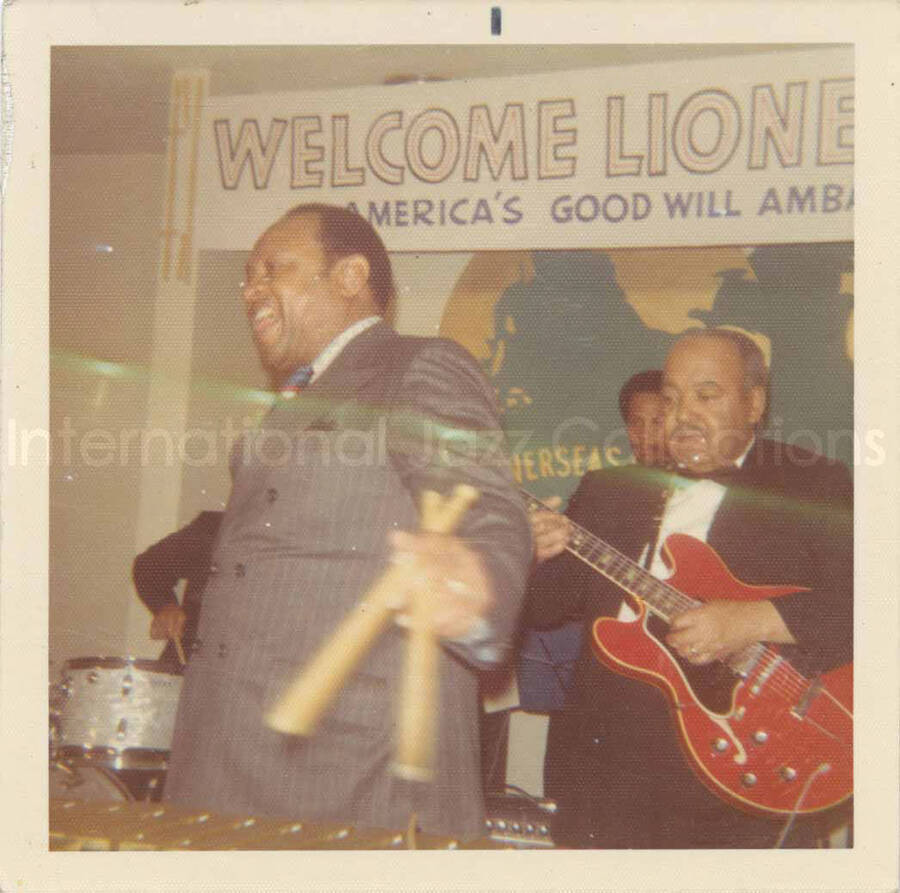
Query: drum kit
x,y
111,724
112,718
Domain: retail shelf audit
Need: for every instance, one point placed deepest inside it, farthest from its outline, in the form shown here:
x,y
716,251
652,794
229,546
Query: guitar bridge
x,y
811,693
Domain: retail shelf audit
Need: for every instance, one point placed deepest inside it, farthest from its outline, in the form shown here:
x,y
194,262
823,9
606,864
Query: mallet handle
x,y
416,722
298,711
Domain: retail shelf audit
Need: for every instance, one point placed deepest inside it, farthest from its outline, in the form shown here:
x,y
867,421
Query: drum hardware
x,y
112,719
86,783
114,712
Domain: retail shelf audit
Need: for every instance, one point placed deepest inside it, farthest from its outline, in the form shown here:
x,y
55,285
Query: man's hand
x,y
168,623
450,575
550,531
719,629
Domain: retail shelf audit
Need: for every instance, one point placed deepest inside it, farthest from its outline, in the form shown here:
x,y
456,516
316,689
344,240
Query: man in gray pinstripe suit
x,y
323,493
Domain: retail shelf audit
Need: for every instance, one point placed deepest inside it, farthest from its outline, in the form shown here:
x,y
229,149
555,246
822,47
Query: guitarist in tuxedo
x,y
775,514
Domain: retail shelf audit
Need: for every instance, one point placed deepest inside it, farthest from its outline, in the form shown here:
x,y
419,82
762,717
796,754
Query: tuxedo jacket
x,y
785,519
316,491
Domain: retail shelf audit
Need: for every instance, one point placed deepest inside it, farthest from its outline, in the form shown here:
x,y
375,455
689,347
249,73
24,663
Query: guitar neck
x,y
663,600
627,574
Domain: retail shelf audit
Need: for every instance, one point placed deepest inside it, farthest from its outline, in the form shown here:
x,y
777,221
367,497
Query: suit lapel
x,y
361,361
353,381
750,494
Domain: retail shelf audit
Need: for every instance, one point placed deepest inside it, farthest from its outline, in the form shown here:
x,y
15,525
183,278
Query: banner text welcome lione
x,y
508,144
709,152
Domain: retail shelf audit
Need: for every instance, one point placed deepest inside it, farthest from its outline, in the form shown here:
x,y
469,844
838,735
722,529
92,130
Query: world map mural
x,y
559,333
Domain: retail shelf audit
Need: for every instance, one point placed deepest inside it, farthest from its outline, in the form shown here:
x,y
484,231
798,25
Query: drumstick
x,y
179,650
298,711
418,694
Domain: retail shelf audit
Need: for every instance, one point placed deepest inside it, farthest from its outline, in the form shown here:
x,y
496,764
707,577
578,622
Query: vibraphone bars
x,y
81,825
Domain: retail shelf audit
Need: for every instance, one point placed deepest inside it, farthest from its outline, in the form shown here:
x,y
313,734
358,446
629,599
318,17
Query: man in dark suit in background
x,y
321,492
776,515
183,555
641,408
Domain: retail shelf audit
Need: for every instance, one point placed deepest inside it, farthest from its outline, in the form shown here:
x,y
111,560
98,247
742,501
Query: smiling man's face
x,y
291,297
710,413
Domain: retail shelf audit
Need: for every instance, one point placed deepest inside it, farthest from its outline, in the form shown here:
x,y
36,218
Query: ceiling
x,y
114,100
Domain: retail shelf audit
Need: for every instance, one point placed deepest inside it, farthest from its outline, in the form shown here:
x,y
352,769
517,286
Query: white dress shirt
x,y
331,350
335,346
690,509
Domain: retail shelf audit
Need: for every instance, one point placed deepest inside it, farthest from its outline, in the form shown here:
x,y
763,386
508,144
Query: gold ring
x,y
457,586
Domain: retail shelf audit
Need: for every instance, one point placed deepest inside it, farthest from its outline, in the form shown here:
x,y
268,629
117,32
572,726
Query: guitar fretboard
x,y
663,600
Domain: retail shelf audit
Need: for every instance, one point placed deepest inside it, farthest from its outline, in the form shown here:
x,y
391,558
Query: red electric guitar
x,y
757,732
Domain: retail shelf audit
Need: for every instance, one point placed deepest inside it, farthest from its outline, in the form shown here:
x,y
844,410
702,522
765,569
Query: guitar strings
x,y
783,679
766,666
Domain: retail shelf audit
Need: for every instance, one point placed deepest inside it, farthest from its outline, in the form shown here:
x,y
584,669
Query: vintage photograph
x,y
348,292
451,447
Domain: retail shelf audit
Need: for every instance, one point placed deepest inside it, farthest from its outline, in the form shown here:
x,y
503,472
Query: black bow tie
x,y
724,476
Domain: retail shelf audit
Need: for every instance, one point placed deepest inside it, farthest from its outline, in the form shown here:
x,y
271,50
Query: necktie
x,y
297,382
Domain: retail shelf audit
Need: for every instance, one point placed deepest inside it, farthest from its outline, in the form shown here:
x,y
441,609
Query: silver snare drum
x,y
114,712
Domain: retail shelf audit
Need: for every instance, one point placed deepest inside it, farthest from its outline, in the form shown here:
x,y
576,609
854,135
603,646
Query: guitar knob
x,y
748,779
788,773
760,736
720,744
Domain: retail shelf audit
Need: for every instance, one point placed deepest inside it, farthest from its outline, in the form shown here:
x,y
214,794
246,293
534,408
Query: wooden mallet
x,y
416,721
298,711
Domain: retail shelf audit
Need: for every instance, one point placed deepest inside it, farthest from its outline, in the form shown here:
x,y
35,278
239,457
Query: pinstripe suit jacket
x,y
316,490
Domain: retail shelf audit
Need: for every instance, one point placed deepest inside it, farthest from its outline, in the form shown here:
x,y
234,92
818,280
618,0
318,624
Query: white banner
x,y
734,150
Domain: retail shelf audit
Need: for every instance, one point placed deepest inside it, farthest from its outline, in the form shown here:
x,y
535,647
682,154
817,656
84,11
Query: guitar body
x,y
765,739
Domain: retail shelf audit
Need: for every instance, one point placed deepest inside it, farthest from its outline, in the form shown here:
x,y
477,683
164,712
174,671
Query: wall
x,y
101,313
